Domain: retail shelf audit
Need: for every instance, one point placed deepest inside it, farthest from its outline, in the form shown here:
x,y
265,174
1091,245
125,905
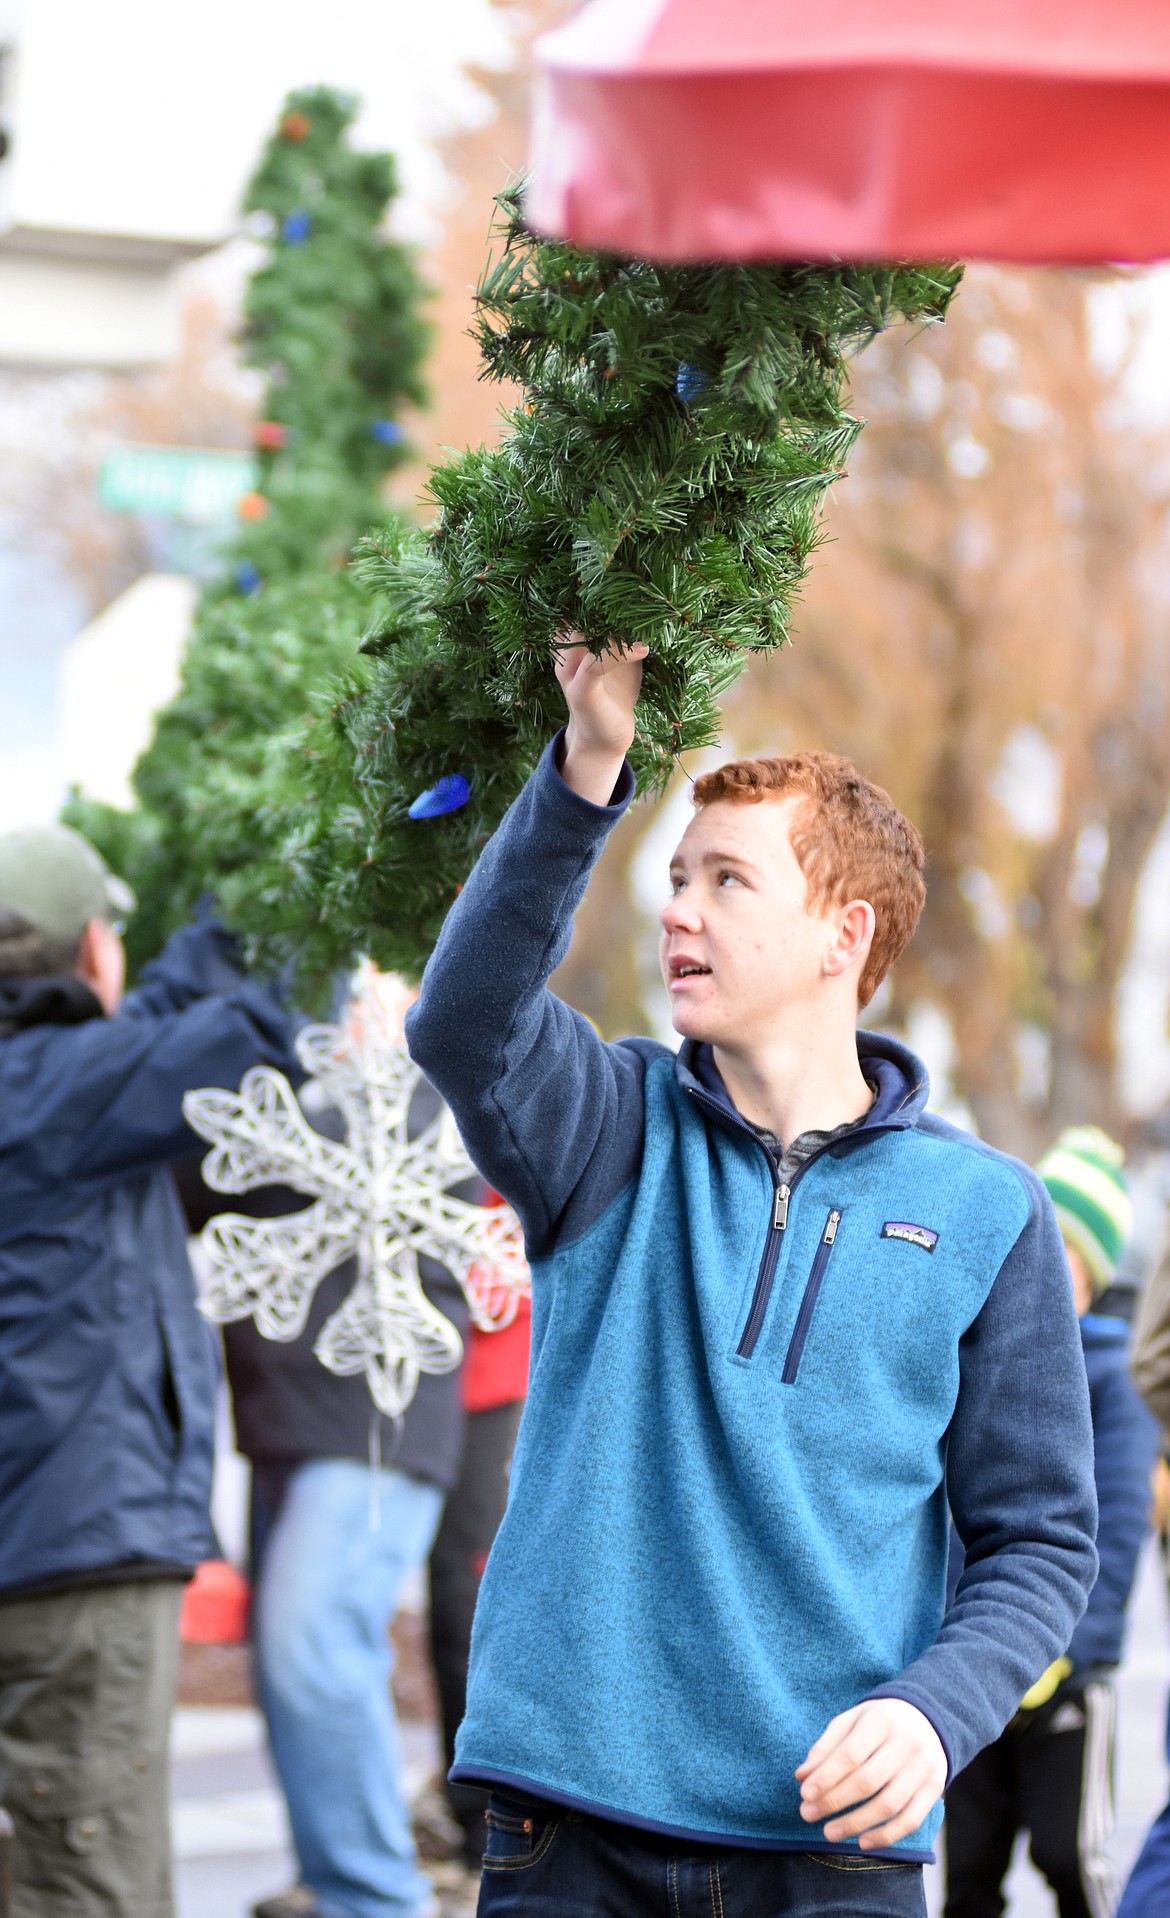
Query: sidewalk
x,y
230,1831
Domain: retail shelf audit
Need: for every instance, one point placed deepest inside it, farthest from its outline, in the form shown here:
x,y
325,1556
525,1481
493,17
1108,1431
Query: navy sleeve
x,y
551,1115
131,1087
111,1105
200,959
1125,1441
1020,1485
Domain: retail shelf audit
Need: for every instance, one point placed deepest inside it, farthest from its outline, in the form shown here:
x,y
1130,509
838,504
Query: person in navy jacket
x,y
106,1368
781,1314
1051,1772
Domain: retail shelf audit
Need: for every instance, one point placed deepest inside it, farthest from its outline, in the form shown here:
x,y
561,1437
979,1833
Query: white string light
x,y
383,1196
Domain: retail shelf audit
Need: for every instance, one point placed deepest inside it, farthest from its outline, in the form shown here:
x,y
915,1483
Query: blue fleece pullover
x,y
728,1510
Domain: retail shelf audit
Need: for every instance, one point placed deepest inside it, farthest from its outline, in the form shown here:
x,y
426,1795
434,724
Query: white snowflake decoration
x,y
381,1195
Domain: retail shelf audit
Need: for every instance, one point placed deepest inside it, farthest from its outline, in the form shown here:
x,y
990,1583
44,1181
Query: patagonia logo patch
x,y
913,1234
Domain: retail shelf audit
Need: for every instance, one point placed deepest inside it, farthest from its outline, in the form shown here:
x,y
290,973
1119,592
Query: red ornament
x,y
253,506
270,434
770,129
295,126
215,1606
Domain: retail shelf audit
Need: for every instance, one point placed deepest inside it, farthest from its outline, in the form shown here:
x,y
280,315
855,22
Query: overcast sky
x,y
144,116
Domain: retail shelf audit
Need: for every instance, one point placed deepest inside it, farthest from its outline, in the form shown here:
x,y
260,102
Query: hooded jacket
x,y
748,1403
106,1370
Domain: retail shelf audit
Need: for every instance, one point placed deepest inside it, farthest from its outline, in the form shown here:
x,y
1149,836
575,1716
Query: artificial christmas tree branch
x,y
661,481
332,318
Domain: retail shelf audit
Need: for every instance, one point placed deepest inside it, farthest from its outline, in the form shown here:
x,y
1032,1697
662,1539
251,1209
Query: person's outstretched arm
x,y
550,1114
115,1102
200,960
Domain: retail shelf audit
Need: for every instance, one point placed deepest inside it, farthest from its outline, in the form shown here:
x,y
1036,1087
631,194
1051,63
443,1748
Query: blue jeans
x,y
339,1546
543,1861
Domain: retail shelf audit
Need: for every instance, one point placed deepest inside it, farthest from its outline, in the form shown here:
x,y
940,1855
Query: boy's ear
x,y
855,924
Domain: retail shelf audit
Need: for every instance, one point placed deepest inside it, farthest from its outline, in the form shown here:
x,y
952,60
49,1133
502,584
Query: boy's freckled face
x,y
738,947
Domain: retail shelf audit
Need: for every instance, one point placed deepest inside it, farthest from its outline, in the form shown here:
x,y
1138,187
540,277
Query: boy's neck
x,y
798,1082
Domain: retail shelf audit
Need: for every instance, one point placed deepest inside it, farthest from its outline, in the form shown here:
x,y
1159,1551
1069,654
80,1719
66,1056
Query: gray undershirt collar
x,y
788,1160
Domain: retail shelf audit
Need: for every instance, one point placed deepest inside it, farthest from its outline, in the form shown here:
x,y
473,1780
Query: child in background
x,y
1051,1772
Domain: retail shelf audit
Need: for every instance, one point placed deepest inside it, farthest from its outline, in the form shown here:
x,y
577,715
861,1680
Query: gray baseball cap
x,y
57,882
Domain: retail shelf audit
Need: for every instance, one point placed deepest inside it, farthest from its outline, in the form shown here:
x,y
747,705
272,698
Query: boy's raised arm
x,y
550,1114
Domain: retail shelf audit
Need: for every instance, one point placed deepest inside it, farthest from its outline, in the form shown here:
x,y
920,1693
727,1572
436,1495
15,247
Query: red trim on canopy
x,y
1008,129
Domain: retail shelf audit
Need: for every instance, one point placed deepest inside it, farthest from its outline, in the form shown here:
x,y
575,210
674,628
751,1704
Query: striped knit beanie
x,y
1086,1183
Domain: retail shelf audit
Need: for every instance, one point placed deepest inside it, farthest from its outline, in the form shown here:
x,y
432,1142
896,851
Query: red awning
x,y
857,129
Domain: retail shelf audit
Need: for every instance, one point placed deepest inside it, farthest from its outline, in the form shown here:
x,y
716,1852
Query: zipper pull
x,y
780,1213
834,1221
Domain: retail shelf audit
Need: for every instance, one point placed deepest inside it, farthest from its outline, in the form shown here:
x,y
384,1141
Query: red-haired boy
x,y
782,1314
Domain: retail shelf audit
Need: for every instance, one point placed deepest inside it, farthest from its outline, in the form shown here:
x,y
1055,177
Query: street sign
x,y
189,483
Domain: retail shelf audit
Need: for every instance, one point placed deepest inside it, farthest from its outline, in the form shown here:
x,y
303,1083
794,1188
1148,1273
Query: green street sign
x,y
177,482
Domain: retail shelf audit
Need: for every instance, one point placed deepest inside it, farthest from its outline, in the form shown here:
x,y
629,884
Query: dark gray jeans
x,y
87,1687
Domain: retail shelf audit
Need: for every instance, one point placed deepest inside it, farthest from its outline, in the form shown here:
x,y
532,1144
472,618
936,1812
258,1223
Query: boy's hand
x,y
883,1757
601,691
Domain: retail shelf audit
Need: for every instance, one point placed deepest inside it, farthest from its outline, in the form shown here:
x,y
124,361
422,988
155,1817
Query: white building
x,y
130,127
119,670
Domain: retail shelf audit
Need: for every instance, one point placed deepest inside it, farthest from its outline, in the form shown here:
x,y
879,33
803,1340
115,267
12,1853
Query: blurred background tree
x,y
986,634
332,319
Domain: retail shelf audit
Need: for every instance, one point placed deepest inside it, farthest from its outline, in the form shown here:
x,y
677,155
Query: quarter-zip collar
x,y
900,1095
901,1082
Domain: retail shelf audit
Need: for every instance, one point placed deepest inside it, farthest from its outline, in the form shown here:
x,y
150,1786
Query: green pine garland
x,y
333,319
221,776
661,481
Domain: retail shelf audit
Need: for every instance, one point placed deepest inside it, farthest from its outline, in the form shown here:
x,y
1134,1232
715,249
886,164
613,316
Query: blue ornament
x,y
447,795
247,578
297,226
689,382
388,432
